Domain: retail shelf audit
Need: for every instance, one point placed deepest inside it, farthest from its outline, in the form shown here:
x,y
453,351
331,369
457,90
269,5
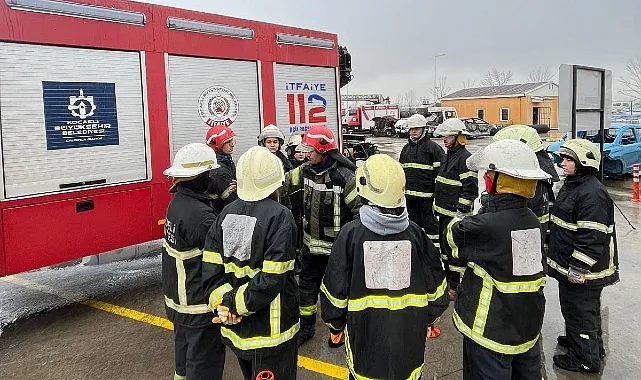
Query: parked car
x,y
383,126
621,147
356,148
401,128
479,127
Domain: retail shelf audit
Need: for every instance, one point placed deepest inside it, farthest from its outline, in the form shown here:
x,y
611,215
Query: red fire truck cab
x,y
97,95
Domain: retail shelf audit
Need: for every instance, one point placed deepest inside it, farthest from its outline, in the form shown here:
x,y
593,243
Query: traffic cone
x,y
635,183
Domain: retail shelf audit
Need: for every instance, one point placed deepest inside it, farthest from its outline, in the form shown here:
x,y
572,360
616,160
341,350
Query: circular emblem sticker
x,y
217,105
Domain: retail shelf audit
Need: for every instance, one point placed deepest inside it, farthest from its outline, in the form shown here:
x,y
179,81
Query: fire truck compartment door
x,y
206,91
71,118
305,96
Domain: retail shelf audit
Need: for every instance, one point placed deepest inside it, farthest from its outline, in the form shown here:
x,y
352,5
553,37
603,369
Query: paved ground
x,y
52,326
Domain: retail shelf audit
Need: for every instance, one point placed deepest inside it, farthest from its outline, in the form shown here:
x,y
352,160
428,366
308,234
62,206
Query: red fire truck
x,y
97,95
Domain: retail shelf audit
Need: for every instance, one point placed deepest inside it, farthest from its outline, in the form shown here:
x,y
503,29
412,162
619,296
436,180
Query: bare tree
x,y
468,83
631,82
541,75
494,77
410,98
400,99
441,89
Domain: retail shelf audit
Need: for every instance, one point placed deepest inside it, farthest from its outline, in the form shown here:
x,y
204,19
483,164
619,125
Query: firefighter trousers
x,y
309,281
420,212
581,309
479,363
453,268
275,363
199,352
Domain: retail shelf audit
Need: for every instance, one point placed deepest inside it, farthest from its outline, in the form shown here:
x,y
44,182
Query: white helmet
x,y
192,160
451,127
523,133
416,121
259,173
510,157
294,140
271,131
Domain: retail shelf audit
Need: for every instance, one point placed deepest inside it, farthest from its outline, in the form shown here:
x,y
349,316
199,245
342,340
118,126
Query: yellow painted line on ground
x,y
330,370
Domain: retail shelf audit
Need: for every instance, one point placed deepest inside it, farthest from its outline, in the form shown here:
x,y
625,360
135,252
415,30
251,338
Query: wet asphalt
x,y
47,330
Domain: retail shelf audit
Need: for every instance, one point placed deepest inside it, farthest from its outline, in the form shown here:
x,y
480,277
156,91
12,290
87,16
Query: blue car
x,y
621,147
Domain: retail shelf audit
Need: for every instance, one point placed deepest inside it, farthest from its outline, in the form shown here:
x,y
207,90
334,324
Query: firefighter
x,y
384,282
273,139
582,254
199,352
455,191
500,303
248,274
329,202
544,195
222,181
295,157
421,159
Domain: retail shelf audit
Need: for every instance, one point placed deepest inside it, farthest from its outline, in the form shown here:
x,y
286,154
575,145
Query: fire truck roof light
x,y
78,10
304,41
209,28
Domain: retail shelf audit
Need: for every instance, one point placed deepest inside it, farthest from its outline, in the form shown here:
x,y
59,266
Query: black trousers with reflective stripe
x,y
420,212
309,281
453,276
479,363
199,352
280,362
581,309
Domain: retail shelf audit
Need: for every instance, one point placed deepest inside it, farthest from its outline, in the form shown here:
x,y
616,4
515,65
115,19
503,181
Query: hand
x,y
577,275
225,316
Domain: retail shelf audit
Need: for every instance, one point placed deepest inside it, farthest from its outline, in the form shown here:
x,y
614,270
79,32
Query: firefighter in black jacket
x,y
222,183
544,195
296,159
500,303
456,189
273,139
582,255
421,159
248,271
384,282
199,352
329,202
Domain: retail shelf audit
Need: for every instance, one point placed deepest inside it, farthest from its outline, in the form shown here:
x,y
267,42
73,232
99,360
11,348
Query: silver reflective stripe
x,y
447,181
587,224
182,282
322,187
443,211
259,341
414,165
277,267
186,309
465,202
181,255
418,194
583,257
562,223
274,316
590,276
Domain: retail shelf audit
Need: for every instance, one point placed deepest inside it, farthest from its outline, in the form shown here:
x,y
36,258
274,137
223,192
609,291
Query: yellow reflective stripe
x,y
419,194
186,309
241,272
414,165
466,202
490,344
469,174
416,374
544,218
239,298
259,341
432,237
583,257
317,246
456,268
448,181
308,310
588,224
450,237
339,303
212,257
227,192
218,294
351,196
277,267
329,324
274,316
437,244
509,287
182,282
337,212
483,308
589,276
395,303
562,223
437,164
179,377
443,211
181,255
296,176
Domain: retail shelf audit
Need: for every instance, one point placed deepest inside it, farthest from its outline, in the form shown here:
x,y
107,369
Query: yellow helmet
x,y
582,151
523,133
259,174
381,180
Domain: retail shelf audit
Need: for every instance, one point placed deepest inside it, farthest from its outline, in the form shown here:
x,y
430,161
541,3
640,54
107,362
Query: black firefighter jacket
x,y
456,186
383,291
220,182
500,302
189,217
421,162
582,232
329,202
248,262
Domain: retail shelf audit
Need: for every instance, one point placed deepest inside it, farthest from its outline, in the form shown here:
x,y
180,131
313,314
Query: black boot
x,y
564,342
568,363
306,332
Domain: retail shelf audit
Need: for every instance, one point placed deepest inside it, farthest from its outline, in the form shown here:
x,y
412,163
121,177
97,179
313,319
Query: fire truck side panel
x,y
34,234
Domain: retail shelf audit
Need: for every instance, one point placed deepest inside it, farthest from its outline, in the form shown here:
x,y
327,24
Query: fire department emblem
x,y
217,105
81,106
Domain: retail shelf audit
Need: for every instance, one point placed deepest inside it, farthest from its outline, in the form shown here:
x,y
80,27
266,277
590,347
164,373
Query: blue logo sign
x,y
80,114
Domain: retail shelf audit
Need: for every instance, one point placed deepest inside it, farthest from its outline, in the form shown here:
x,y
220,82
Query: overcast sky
x,y
393,43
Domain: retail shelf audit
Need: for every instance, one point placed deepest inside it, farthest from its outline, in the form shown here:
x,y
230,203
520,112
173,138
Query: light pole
x,y
434,89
